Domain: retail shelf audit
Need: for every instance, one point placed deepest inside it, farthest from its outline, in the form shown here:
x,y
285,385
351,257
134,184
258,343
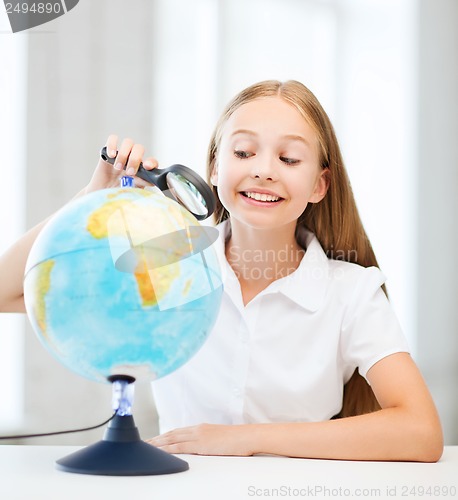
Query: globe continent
x,y
123,282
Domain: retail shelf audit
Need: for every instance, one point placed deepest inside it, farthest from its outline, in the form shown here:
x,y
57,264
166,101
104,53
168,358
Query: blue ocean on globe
x,y
123,282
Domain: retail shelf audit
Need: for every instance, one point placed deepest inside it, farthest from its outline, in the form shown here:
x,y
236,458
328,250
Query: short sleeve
x,y
370,329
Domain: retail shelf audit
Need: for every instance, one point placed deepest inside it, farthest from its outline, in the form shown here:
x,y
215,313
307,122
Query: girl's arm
x,y
12,266
13,261
407,427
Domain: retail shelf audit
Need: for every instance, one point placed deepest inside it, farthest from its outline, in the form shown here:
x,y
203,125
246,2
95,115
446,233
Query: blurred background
x,y
160,71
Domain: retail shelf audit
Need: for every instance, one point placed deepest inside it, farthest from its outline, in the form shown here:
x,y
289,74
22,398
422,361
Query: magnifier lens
x,y
186,193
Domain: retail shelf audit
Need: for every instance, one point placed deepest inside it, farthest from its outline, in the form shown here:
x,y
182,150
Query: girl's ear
x,y
214,174
321,186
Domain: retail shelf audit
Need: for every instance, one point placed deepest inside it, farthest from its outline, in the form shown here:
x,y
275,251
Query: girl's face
x,y
267,168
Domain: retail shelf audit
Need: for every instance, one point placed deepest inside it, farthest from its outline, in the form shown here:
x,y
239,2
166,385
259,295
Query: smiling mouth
x,y
269,198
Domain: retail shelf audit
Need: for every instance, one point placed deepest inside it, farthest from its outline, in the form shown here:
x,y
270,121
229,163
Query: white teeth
x,y
262,197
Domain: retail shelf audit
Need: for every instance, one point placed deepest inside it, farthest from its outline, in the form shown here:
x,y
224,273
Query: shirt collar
x,y
306,286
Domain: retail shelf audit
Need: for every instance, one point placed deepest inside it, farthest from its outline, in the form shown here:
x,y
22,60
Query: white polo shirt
x,y
286,355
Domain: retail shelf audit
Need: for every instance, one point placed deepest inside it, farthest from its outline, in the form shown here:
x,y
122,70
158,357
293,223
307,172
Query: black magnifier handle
x,y
155,176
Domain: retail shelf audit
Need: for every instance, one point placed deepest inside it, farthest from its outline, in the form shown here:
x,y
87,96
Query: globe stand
x,y
121,452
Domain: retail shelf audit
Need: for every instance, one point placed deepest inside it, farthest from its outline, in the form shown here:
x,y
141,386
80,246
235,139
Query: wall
x,y
13,57
437,208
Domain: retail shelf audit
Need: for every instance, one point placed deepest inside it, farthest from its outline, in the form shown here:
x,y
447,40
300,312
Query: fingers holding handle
x,y
184,185
129,158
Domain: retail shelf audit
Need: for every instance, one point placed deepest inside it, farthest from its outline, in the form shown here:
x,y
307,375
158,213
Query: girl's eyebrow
x,y
243,131
294,137
291,137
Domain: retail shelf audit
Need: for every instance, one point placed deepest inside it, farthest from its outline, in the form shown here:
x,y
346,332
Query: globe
x,y
123,282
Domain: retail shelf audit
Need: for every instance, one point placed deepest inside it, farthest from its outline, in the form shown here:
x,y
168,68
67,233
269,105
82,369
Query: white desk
x,y
28,473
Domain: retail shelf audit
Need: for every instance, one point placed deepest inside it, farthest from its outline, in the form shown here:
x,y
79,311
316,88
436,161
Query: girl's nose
x,y
264,170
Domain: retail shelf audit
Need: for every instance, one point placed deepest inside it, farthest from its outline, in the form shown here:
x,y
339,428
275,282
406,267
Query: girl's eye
x,y
242,154
289,161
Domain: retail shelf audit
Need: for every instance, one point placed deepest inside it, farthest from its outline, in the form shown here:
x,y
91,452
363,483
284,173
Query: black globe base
x,y
121,453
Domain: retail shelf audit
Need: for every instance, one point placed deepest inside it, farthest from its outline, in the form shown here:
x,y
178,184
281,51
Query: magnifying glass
x,y
179,183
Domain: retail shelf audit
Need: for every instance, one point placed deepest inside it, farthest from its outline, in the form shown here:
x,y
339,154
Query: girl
x,y
306,358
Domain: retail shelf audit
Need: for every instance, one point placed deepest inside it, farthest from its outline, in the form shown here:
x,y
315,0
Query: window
x,y
357,56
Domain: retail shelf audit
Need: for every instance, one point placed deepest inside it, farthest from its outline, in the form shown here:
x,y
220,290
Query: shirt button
x,y
236,391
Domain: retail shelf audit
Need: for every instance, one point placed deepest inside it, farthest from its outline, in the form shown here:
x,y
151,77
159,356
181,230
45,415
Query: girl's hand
x,y
129,155
207,439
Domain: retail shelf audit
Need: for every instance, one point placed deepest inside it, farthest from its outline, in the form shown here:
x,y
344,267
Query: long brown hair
x,y
334,220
